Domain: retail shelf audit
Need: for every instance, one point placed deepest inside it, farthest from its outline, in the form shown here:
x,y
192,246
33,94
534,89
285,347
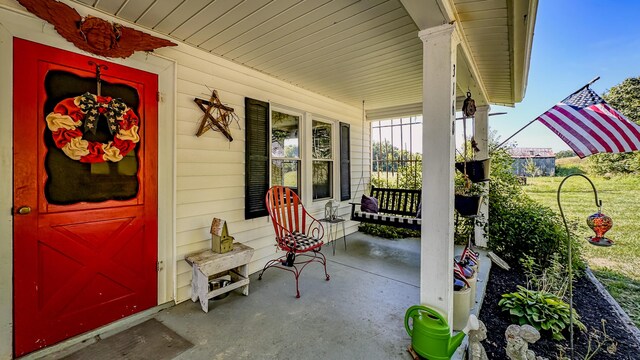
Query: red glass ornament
x,y
600,224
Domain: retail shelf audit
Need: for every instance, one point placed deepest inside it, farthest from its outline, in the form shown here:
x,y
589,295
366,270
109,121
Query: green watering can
x,y
431,337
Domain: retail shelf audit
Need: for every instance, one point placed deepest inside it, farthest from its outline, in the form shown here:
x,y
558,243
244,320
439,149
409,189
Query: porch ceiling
x,y
345,49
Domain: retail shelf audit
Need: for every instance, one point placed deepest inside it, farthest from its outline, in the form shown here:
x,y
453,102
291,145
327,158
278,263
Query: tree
x,y
565,154
624,97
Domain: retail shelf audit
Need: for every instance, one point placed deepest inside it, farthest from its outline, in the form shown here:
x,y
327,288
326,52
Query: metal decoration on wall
x,y
217,116
93,34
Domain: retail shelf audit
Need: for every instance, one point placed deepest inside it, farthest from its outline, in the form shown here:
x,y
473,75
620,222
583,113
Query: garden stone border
x,y
624,318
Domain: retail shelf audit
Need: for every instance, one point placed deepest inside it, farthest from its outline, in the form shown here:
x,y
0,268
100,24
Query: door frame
x,y
15,22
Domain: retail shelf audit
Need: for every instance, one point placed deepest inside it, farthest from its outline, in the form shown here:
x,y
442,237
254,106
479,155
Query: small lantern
x,y
331,210
600,224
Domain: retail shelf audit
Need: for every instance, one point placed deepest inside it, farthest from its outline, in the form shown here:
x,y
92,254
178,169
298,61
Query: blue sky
x,y
574,41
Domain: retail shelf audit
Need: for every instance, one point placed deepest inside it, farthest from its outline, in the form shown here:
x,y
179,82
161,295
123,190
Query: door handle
x,y
24,210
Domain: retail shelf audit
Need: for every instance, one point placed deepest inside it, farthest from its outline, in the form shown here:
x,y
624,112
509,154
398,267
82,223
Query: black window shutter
x,y
345,162
256,177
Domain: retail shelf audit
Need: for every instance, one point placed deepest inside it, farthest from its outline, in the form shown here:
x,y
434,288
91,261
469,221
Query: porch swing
x,y
402,208
386,206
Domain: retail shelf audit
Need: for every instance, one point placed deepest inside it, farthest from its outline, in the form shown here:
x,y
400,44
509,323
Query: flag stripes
x,y
589,125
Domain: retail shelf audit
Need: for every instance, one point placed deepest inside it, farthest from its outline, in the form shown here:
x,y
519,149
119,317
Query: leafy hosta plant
x,y
540,309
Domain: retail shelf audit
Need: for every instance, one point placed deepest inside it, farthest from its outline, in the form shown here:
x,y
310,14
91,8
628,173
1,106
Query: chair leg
x,y
323,261
284,263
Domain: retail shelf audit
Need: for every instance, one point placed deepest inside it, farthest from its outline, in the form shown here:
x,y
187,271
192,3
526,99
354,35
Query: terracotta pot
x,y
477,170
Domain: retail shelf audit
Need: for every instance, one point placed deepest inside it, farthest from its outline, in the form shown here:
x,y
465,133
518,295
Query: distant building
x,y
543,159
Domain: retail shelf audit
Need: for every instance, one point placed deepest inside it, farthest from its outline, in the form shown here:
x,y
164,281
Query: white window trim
x,y
335,144
305,155
301,142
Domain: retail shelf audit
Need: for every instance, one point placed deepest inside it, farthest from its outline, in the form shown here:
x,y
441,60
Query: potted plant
x,y
468,196
476,170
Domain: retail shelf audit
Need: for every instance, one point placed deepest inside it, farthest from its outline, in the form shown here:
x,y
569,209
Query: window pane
x,y
321,140
284,135
322,179
285,173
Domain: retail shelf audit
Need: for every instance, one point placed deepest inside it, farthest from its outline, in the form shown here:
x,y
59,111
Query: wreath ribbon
x,y
68,116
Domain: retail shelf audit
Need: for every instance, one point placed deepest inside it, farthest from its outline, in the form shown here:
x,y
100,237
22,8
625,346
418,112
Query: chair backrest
x,y
286,211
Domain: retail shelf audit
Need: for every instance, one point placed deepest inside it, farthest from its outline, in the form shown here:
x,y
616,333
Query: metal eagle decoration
x,y
93,34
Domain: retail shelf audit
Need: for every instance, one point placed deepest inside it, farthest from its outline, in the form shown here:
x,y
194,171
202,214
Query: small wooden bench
x,y
207,263
396,207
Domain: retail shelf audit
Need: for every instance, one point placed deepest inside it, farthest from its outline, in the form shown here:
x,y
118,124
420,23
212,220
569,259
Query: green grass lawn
x,y
618,267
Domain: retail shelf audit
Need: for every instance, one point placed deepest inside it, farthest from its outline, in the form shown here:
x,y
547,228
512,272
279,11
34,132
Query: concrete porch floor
x,y
358,314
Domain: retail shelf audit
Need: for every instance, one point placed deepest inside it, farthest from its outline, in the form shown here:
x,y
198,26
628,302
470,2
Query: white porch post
x,y
438,146
481,136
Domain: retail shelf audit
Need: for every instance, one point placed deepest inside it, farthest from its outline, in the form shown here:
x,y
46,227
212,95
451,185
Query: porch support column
x,y
438,146
481,136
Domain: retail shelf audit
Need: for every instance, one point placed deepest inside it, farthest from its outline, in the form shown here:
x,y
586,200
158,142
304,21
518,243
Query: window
x,y
285,150
288,148
322,156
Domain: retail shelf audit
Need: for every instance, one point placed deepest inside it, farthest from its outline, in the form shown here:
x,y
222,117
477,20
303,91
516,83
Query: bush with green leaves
x,y
387,232
540,309
519,226
565,154
553,278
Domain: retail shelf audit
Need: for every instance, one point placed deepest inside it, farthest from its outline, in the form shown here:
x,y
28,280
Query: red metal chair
x,y
297,233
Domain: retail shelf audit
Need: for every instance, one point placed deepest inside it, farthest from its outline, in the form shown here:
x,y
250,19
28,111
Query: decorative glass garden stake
x,y
600,224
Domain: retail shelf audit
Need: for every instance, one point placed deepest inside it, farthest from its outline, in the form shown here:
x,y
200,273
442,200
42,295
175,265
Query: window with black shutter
x,y
256,157
345,162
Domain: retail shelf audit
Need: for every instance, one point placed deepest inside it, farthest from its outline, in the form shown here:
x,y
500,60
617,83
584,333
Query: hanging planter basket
x,y
477,170
467,205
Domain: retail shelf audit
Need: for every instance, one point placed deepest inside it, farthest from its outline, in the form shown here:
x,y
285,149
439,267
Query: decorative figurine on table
x,y
221,241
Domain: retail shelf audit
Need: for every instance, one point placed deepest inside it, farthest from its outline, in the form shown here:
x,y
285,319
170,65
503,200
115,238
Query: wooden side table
x,y
208,263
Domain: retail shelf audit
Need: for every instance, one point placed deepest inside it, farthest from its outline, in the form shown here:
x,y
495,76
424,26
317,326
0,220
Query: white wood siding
x,y
210,169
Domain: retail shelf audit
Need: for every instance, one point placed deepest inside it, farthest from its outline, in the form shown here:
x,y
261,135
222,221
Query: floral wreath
x,y
68,115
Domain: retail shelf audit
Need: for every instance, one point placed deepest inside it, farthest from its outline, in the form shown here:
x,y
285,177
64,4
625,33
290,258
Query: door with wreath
x,y
85,194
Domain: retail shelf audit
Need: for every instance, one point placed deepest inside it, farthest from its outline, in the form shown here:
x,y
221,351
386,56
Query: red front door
x,y
85,202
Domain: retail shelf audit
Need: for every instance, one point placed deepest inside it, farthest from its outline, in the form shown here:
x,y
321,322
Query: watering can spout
x,y
455,342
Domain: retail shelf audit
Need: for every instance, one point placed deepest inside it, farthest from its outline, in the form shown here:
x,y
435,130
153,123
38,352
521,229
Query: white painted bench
x,y
208,263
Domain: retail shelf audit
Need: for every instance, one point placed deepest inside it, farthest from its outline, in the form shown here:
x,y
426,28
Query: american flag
x,y
589,125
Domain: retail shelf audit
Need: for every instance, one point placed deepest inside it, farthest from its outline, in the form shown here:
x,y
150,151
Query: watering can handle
x,y
414,310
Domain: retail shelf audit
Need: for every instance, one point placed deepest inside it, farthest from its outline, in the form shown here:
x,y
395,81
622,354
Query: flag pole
x,y
532,121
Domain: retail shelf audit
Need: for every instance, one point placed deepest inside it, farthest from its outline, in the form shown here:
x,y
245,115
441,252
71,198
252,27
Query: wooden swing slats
x,y
396,202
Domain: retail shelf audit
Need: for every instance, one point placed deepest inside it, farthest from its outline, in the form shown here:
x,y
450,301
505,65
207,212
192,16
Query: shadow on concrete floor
x,y
358,314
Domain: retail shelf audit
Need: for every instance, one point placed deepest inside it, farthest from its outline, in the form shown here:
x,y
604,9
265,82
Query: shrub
x,y
520,227
387,232
553,278
540,309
